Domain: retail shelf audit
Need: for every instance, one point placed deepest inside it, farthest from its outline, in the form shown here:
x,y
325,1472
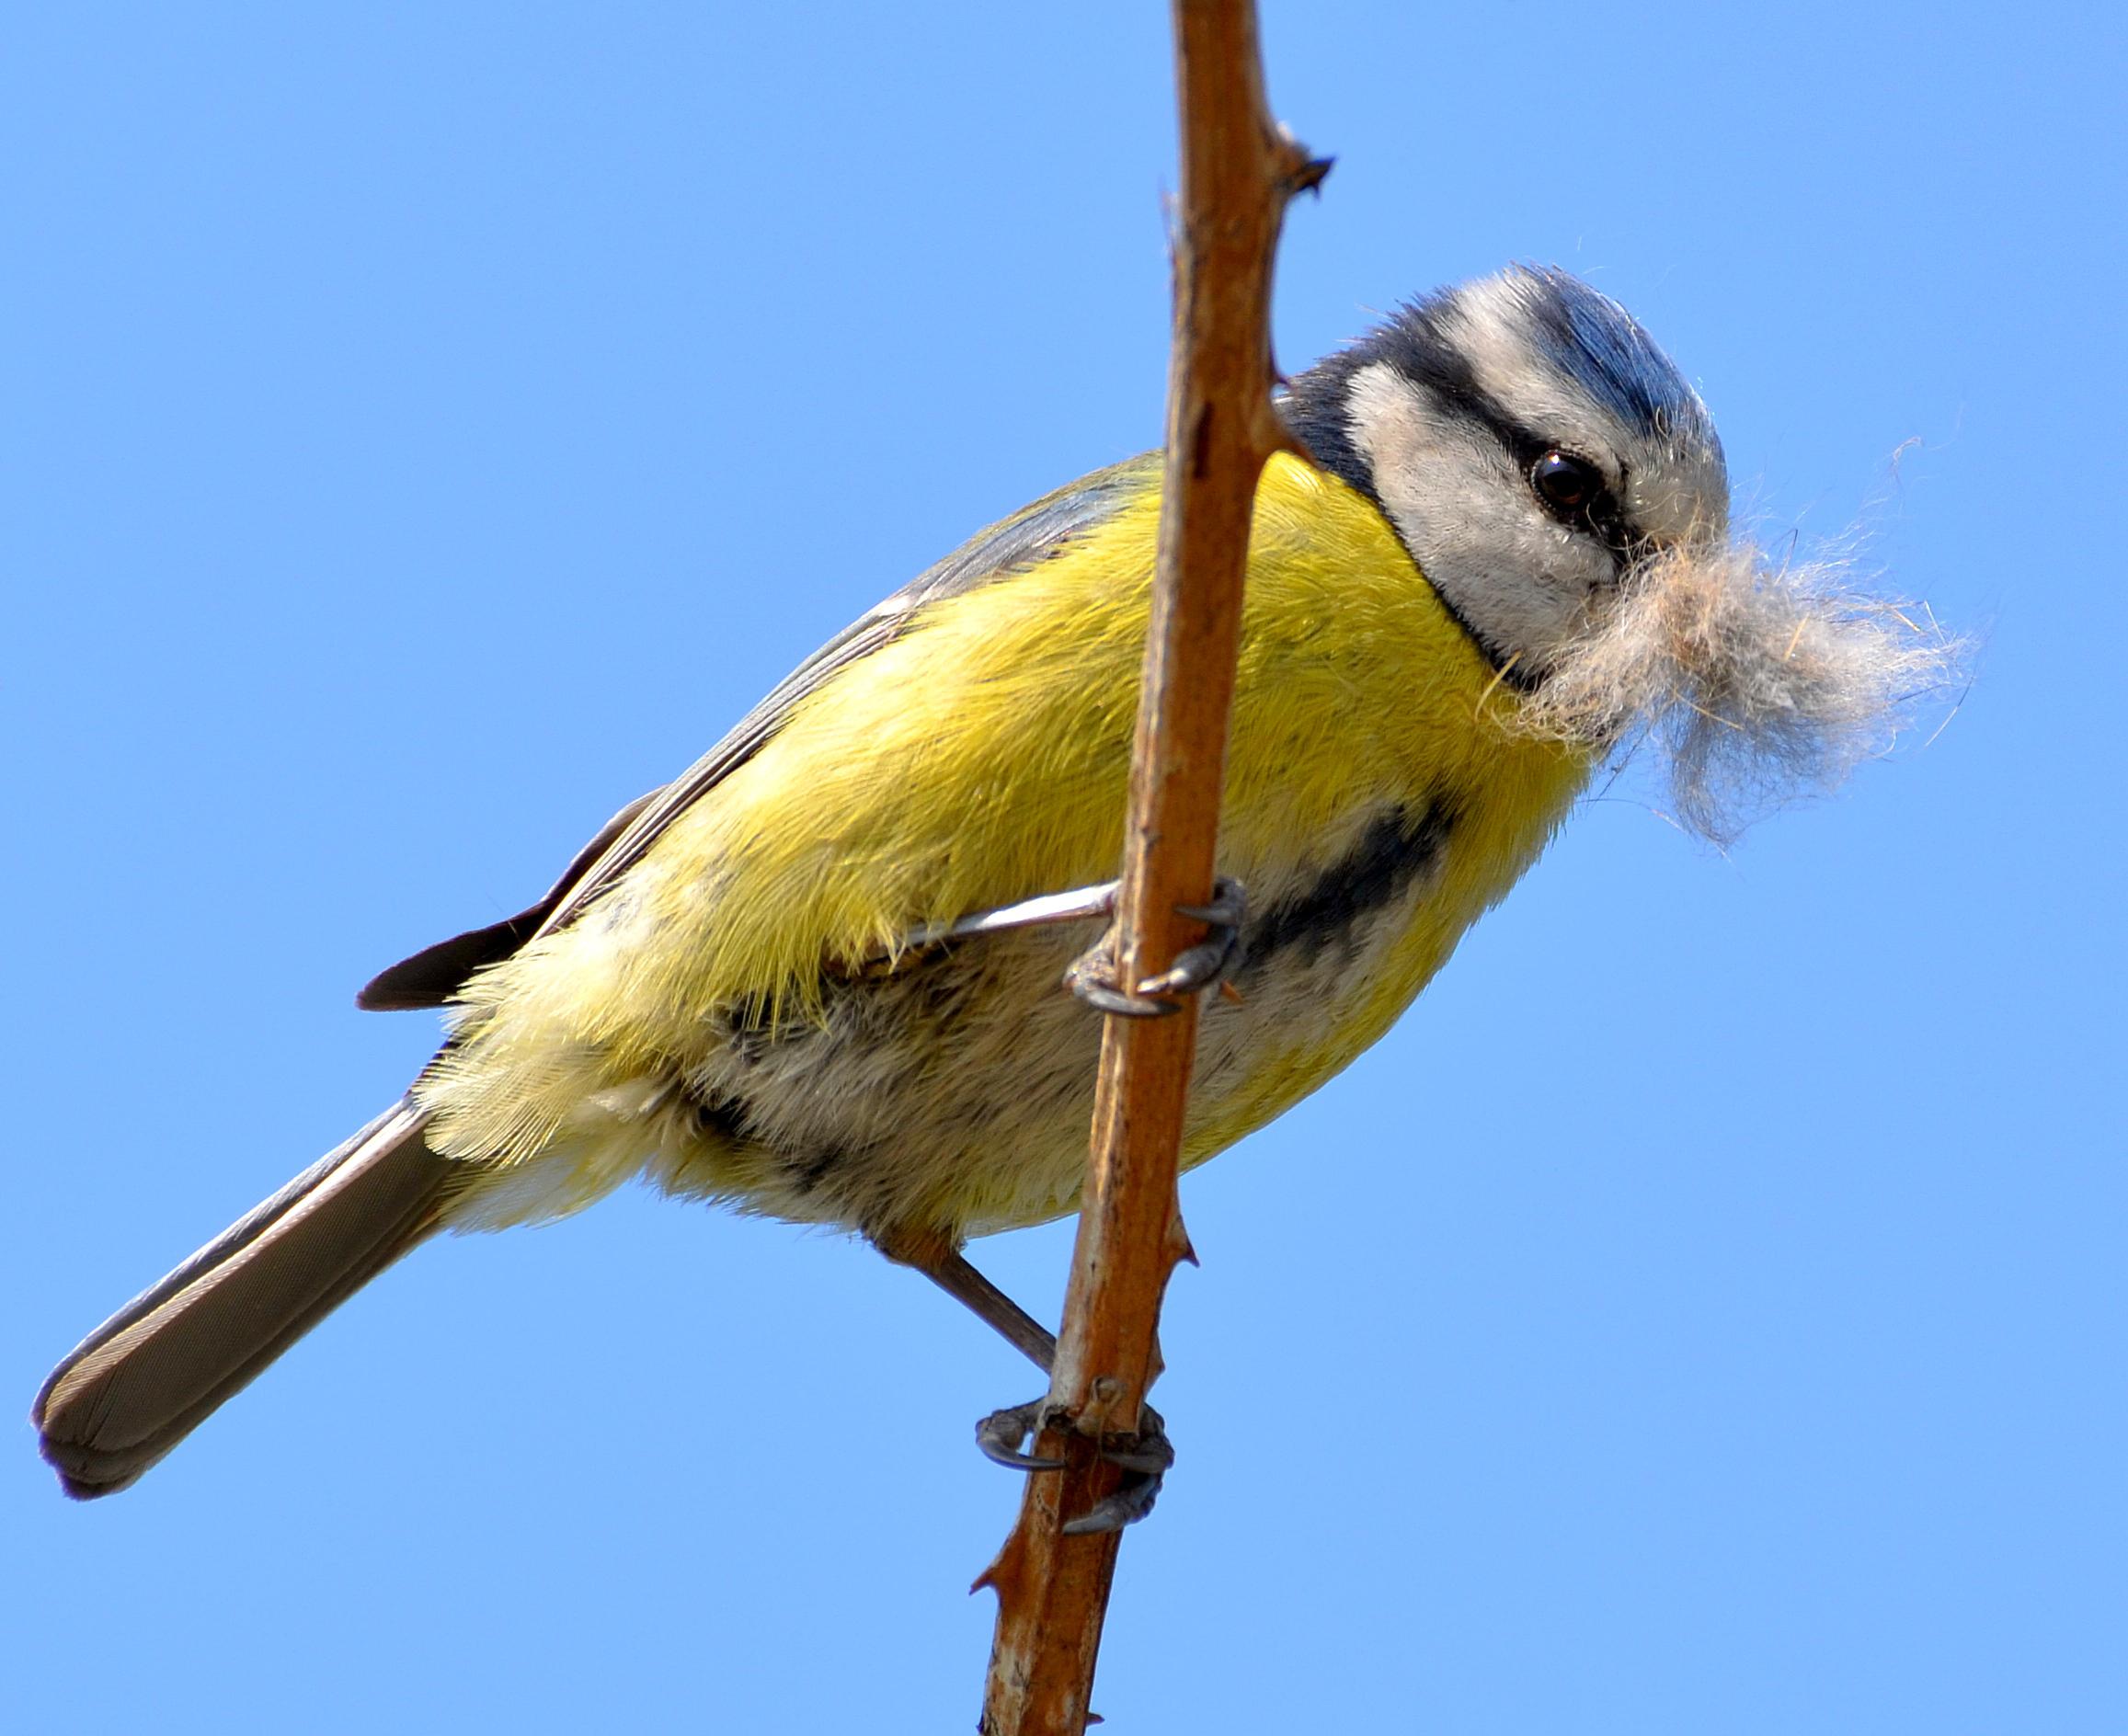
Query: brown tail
x,y
157,1368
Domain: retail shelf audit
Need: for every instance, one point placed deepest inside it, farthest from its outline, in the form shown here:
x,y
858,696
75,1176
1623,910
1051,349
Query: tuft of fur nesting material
x,y
1758,681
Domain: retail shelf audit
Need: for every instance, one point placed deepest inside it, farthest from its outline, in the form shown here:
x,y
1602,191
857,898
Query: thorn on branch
x,y
1278,436
1292,170
1179,1245
1309,177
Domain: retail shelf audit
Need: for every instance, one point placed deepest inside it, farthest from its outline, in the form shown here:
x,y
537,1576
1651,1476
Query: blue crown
x,y
1603,348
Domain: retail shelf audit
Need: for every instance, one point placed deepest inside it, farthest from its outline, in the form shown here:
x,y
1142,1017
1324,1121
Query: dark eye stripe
x,y
1415,347
1318,406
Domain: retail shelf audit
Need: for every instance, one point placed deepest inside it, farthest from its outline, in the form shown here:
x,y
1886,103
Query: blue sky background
x,y
428,426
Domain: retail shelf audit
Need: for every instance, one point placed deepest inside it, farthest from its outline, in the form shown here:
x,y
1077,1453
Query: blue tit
x,y
805,979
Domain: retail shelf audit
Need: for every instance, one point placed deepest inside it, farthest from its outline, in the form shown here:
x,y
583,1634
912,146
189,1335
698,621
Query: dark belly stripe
x,y
1395,850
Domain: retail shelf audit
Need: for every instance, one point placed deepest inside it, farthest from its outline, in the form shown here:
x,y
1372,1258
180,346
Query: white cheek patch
x,y
1518,579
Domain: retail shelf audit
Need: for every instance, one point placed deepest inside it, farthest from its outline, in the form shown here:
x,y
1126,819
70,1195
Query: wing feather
x,y
1012,546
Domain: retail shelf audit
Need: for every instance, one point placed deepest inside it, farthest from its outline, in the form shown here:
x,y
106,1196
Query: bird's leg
x,y
1093,975
1145,1457
991,1306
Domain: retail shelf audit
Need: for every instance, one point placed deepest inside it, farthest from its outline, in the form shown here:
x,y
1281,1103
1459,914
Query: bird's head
x,y
1562,487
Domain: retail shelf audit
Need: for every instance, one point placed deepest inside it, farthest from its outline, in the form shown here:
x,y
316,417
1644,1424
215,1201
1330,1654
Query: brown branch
x,y
1238,172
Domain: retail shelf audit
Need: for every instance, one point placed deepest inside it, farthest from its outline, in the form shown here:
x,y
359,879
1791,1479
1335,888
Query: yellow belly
x,y
712,1019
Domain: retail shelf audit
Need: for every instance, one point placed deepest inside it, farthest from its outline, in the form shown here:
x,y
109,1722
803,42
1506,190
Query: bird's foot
x,y
1093,975
1143,1456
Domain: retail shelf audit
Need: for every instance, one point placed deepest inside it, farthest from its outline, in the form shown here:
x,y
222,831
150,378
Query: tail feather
x,y
154,1372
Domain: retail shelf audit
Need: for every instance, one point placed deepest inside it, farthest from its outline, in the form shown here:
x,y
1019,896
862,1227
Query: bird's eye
x,y
1564,483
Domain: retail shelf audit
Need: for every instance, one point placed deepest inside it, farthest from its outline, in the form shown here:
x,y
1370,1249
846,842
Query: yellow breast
x,y
979,759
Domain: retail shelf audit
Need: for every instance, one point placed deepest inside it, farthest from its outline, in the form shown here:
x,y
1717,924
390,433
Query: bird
x,y
822,975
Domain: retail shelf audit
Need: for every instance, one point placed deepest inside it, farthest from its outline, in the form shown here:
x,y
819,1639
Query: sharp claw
x,y
1195,967
1149,1460
1104,999
1147,1455
1148,1450
1201,965
1013,1460
998,1437
1230,905
1126,1506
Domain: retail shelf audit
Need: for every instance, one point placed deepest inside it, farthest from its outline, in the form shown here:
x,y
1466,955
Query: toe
x,y
1130,1503
1000,1435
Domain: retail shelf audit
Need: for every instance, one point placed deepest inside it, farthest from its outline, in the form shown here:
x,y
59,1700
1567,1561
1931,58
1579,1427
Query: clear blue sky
x,y
428,427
